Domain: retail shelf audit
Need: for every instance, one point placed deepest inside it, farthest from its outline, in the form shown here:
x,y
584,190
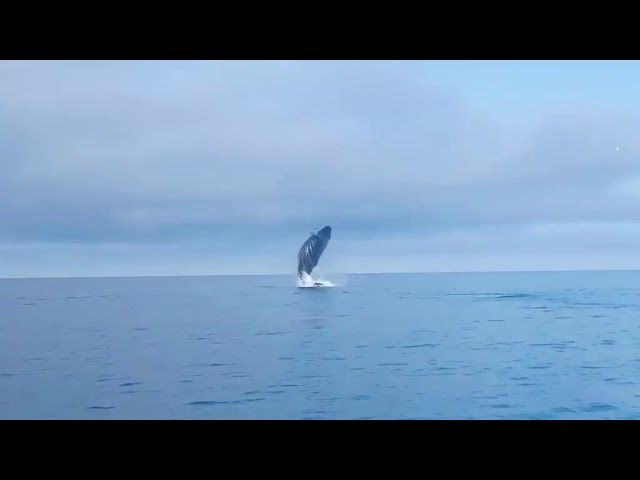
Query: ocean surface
x,y
403,346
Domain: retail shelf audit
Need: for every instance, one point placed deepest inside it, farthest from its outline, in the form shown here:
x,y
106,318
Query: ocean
x,y
561,345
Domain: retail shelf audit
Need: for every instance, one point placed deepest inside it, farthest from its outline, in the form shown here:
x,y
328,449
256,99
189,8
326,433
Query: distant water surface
x,y
412,346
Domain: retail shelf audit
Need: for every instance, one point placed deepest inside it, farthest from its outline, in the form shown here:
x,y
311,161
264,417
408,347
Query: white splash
x,y
307,281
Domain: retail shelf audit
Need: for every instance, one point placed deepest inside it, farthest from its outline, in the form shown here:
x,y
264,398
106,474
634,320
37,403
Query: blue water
x,y
428,346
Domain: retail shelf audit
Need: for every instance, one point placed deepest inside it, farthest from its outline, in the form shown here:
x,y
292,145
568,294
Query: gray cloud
x,y
100,152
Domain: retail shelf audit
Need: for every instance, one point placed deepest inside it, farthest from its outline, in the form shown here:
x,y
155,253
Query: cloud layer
x,y
225,162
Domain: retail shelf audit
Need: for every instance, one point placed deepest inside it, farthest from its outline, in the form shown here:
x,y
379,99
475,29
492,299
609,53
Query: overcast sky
x,y
186,167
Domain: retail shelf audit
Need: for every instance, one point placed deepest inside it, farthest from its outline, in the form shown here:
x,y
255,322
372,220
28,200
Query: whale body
x,y
312,249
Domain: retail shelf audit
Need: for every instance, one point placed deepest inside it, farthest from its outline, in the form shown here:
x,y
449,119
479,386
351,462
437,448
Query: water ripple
x,y
433,346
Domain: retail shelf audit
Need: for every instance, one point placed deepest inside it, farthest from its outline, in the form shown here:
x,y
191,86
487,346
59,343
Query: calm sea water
x,y
427,346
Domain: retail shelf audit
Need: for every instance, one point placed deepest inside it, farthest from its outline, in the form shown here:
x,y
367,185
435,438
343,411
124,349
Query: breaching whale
x,y
311,251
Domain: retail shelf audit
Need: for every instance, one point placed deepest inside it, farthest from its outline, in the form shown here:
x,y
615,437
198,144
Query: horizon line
x,y
434,272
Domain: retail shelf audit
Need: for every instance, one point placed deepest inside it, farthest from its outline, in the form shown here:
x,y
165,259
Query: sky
x,y
114,168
